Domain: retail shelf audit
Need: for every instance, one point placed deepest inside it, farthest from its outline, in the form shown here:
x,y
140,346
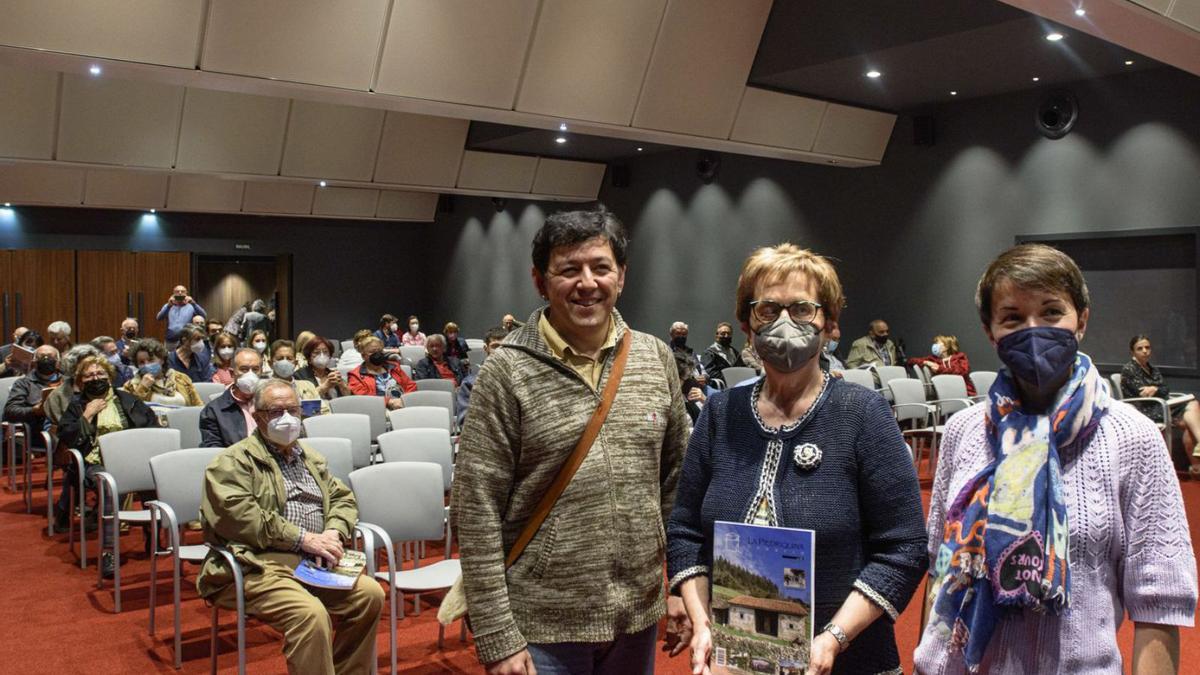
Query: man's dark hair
x,y
495,333
567,228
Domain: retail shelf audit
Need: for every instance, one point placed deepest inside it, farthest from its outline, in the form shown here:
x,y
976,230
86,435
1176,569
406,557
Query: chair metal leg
x,y
153,565
441,636
50,492
212,641
178,601
11,444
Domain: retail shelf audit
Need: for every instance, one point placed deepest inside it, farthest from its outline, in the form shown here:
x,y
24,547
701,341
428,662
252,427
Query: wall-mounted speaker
x,y
619,175
1057,114
708,166
924,130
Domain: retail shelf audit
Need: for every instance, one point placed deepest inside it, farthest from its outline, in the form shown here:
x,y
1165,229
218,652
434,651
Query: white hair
x,y
60,327
679,325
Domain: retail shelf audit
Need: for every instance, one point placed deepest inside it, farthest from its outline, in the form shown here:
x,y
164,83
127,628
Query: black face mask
x,y
725,340
130,334
880,339
378,359
47,366
96,388
679,341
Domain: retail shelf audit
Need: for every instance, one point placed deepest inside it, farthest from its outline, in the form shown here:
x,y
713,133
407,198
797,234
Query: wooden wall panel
x,y
106,121
43,284
28,112
154,275
588,58
104,292
468,51
224,286
699,66
149,31
238,133
328,42
331,141
420,150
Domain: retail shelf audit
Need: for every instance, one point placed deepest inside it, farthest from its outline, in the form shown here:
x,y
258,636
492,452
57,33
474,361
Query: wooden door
x,y
155,275
43,288
104,291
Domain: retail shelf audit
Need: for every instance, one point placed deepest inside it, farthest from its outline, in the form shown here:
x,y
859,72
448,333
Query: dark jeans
x,y
70,484
629,654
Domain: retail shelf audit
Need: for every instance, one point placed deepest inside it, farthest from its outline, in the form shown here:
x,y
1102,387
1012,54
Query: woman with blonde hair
x,y
946,359
802,449
156,381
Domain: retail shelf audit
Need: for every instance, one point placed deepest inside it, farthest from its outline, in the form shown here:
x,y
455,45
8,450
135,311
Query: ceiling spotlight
x,y
1080,11
560,140
874,74
1129,63
562,127
153,210
7,205
954,93
1054,37
1036,79
322,184
639,148
95,70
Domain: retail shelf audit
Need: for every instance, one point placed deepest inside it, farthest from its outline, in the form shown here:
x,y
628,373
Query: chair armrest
x,y
238,580
157,508
1156,401
108,482
370,532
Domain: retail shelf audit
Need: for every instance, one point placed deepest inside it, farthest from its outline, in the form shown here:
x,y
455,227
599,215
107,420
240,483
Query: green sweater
x,y
595,568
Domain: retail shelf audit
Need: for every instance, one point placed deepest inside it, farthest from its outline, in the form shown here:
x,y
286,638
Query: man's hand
x,y
679,627
701,650
836,373
825,649
520,663
38,409
187,300
395,403
933,366
696,395
1148,391
93,408
326,546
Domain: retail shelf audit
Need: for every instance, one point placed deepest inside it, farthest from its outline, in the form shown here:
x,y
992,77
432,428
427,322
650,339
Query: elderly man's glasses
x,y
801,311
274,413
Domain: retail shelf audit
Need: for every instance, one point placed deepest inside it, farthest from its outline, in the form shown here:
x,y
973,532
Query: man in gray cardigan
x,y
587,592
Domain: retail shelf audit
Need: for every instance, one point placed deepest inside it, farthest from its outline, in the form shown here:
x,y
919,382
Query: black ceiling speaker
x,y
1057,114
708,166
619,175
499,203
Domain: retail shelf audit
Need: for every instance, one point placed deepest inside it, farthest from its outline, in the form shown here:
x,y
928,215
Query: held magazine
x,y
343,577
762,583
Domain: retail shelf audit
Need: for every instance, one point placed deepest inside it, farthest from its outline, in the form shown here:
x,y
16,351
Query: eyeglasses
x,y
801,311
274,413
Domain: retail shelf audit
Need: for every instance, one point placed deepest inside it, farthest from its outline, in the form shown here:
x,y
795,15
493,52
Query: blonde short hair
x,y
89,361
368,341
949,341
773,264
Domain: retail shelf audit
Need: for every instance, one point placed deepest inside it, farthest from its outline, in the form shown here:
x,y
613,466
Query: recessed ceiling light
x,y
95,70
7,204
1036,79
153,210
562,127
832,161
560,140
639,149
1080,11
1129,63
954,93
322,184
1054,37
874,74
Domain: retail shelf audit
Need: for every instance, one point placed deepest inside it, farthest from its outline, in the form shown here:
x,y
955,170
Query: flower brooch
x,y
807,456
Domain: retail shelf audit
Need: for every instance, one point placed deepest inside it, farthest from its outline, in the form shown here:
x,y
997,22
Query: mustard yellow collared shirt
x,y
587,367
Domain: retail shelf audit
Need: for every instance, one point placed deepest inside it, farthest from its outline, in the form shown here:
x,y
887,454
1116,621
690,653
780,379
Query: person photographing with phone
x,y
178,312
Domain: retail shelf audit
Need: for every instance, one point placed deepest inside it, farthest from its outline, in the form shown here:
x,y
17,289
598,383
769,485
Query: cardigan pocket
x,y
548,535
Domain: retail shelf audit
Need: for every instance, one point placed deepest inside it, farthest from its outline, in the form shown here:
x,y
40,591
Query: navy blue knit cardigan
x,y
863,501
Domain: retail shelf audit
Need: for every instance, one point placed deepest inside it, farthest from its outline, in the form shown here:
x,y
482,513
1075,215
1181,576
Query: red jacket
x,y
362,383
956,364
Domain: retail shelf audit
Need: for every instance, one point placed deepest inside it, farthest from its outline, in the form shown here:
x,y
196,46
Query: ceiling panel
x,y
564,177
497,171
237,133
107,121
468,51
149,31
775,119
204,193
338,201
589,57
1160,6
116,187
28,112
1186,12
399,205
278,197
331,141
699,66
328,42
854,132
41,184
420,150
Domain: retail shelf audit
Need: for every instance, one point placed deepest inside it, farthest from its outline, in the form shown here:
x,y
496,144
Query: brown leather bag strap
x,y
575,459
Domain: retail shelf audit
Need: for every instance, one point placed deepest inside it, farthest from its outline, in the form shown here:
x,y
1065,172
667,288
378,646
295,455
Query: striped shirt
x,y
304,506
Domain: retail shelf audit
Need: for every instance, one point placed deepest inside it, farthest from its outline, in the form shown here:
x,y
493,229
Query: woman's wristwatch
x,y
838,634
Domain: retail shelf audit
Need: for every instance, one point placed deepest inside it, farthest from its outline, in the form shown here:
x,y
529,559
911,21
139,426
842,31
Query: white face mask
x,y
247,381
320,360
414,327
198,347
283,369
936,349
225,352
394,327
283,430
260,346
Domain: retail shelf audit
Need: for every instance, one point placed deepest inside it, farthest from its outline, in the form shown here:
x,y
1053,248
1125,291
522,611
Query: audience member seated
x,y
13,367
491,342
258,342
830,363
255,321
155,382
108,349
389,332
320,371
679,336
129,334
694,397
302,339
380,375
721,354
190,357
414,337
750,357
227,419
97,409
437,365
946,359
509,323
352,358
456,346
178,312
56,403
58,335
1142,379
272,501
16,339
25,399
224,347
875,348
213,328
283,367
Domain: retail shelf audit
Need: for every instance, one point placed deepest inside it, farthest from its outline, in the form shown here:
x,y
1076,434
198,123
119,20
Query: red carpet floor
x,y
57,621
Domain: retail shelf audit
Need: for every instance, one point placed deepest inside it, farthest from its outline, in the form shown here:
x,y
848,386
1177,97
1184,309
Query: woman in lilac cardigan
x,y
1055,510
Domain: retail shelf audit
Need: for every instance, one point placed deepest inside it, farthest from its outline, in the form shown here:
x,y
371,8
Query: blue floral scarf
x,y
1005,543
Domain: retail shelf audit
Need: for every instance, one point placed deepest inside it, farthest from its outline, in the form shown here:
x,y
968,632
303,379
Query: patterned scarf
x,y
1005,543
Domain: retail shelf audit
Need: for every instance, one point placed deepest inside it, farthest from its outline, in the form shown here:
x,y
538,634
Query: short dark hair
x,y
311,346
567,228
495,333
1136,339
1034,267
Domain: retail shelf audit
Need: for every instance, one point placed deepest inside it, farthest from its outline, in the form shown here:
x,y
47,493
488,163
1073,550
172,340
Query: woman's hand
x,y
1148,391
701,650
933,366
825,649
696,395
395,403
93,408
520,663
679,627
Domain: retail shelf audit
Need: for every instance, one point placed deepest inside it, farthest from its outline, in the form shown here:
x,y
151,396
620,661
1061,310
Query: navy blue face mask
x,y
1042,355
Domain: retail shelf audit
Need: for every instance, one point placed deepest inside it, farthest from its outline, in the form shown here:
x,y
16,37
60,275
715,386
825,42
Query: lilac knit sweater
x,y
1131,550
